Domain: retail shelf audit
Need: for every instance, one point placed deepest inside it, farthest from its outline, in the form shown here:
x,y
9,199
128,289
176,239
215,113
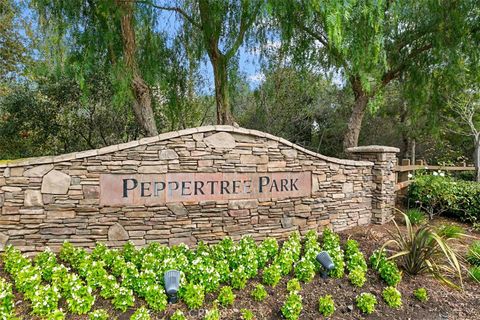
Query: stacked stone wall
x,y
45,201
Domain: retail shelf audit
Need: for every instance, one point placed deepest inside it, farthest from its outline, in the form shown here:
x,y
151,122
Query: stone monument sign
x,y
198,184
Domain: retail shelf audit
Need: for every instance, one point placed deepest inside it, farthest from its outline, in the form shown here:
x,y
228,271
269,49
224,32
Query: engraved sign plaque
x,y
158,189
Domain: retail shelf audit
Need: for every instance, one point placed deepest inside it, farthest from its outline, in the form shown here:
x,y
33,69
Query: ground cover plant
x,y
110,283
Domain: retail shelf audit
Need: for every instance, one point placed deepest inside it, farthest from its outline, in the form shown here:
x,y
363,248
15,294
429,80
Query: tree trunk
x,y
142,106
219,64
355,121
476,156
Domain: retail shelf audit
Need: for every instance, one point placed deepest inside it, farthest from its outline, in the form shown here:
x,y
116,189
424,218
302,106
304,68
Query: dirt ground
x,y
444,303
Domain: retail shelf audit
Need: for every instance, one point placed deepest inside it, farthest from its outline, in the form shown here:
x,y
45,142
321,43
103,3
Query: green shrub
x,y
326,306
247,314
446,195
239,278
305,270
421,294
389,272
475,273
212,314
99,314
193,295
259,293
178,315
293,285
366,302
292,307
141,314
392,297
357,277
226,296
331,244
473,254
272,275
450,231
416,216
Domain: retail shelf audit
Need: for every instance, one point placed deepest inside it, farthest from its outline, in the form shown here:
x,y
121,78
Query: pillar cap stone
x,y
373,149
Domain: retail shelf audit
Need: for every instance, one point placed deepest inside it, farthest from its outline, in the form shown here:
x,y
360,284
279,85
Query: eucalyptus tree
x,y
116,37
373,42
220,27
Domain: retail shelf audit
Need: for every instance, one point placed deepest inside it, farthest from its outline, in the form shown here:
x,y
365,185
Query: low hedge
x,y
438,194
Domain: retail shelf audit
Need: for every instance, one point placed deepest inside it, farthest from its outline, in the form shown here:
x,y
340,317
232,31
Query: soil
x,y
444,303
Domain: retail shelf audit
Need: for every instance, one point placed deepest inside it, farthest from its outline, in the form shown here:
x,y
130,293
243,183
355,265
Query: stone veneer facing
x,y
45,201
385,159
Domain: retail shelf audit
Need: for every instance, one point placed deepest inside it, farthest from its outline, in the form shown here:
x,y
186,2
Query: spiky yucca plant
x,y
422,249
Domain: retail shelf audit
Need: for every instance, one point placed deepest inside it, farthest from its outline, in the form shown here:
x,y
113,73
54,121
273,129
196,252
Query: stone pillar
x,y
383,189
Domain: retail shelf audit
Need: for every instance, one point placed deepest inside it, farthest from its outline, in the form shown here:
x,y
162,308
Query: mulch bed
x,y
444,303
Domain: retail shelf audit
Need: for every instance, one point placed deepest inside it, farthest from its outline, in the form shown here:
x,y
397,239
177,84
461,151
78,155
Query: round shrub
x,y
366,302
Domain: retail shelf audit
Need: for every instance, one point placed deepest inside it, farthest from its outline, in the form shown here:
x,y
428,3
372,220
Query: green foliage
x,y
239,278
247,314
445,195
7,300
357,277
293,285
355,263
475,273
331,244
366,302
389,273
212,314
272,275
259,293
305,270
178,315
226,296
326,306
416,216
473,254
423,250
292,307
141,314
156,298
123,299
450,231
392,297
99,314
45,300
193,295
421,294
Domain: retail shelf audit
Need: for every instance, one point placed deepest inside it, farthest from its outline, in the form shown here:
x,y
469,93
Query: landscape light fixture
x,y
172,284
324,259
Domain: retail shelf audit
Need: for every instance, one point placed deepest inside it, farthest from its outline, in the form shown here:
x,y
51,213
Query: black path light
x,y
324,259
172,284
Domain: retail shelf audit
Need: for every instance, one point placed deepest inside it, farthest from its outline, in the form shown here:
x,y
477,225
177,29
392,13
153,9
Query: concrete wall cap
x,y
174,134
373,149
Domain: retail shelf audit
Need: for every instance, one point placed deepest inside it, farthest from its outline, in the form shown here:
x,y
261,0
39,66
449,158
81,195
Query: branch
x,y
245,24
178,10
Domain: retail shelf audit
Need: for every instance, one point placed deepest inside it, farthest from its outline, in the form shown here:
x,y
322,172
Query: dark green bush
x,y
438,195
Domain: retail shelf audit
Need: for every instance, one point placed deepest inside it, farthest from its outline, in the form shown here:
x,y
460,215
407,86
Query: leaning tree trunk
x,y
142,106
355,122
476,156
219,64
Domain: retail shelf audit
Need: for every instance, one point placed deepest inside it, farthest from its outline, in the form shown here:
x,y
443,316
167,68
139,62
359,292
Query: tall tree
x,y
223,26
88,35
374,42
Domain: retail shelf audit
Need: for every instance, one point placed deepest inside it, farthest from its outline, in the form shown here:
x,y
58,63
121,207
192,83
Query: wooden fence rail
x,y
404,170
